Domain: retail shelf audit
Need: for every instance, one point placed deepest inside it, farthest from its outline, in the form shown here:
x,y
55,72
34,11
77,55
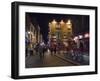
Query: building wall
x,y
63,29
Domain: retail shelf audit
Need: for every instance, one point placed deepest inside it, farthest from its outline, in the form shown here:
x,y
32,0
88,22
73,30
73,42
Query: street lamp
x,y
62,22
54,22
69,24
80,36
29,32
86,35
62,25
75,38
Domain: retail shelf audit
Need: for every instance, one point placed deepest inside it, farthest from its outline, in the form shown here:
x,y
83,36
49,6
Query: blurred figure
x,y
81,46
41,50
36,48
44,48
53,48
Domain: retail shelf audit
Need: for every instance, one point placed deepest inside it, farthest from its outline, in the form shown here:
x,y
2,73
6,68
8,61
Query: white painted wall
x,y
5,40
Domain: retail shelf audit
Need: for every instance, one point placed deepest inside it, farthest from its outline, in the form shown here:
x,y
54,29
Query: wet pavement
x,y
48,60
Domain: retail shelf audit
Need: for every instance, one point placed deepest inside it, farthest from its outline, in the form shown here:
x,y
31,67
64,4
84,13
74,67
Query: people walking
x,y
42,50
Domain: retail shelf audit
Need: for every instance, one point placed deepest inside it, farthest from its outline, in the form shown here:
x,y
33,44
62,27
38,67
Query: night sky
x,y
80,23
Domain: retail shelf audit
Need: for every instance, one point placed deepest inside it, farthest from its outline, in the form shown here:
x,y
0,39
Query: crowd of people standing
x,y
70,47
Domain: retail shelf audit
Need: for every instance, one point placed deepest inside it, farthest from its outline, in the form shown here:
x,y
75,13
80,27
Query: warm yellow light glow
x,y
68,22
61,22
69,27
54,21
49,24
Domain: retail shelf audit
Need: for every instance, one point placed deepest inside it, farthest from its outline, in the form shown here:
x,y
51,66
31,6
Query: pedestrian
x,y
51,48
41,50
44,49
31,49
55,48
36,48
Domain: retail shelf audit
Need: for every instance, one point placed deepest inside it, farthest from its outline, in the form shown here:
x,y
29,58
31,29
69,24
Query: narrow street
x,y
67,36
47,61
